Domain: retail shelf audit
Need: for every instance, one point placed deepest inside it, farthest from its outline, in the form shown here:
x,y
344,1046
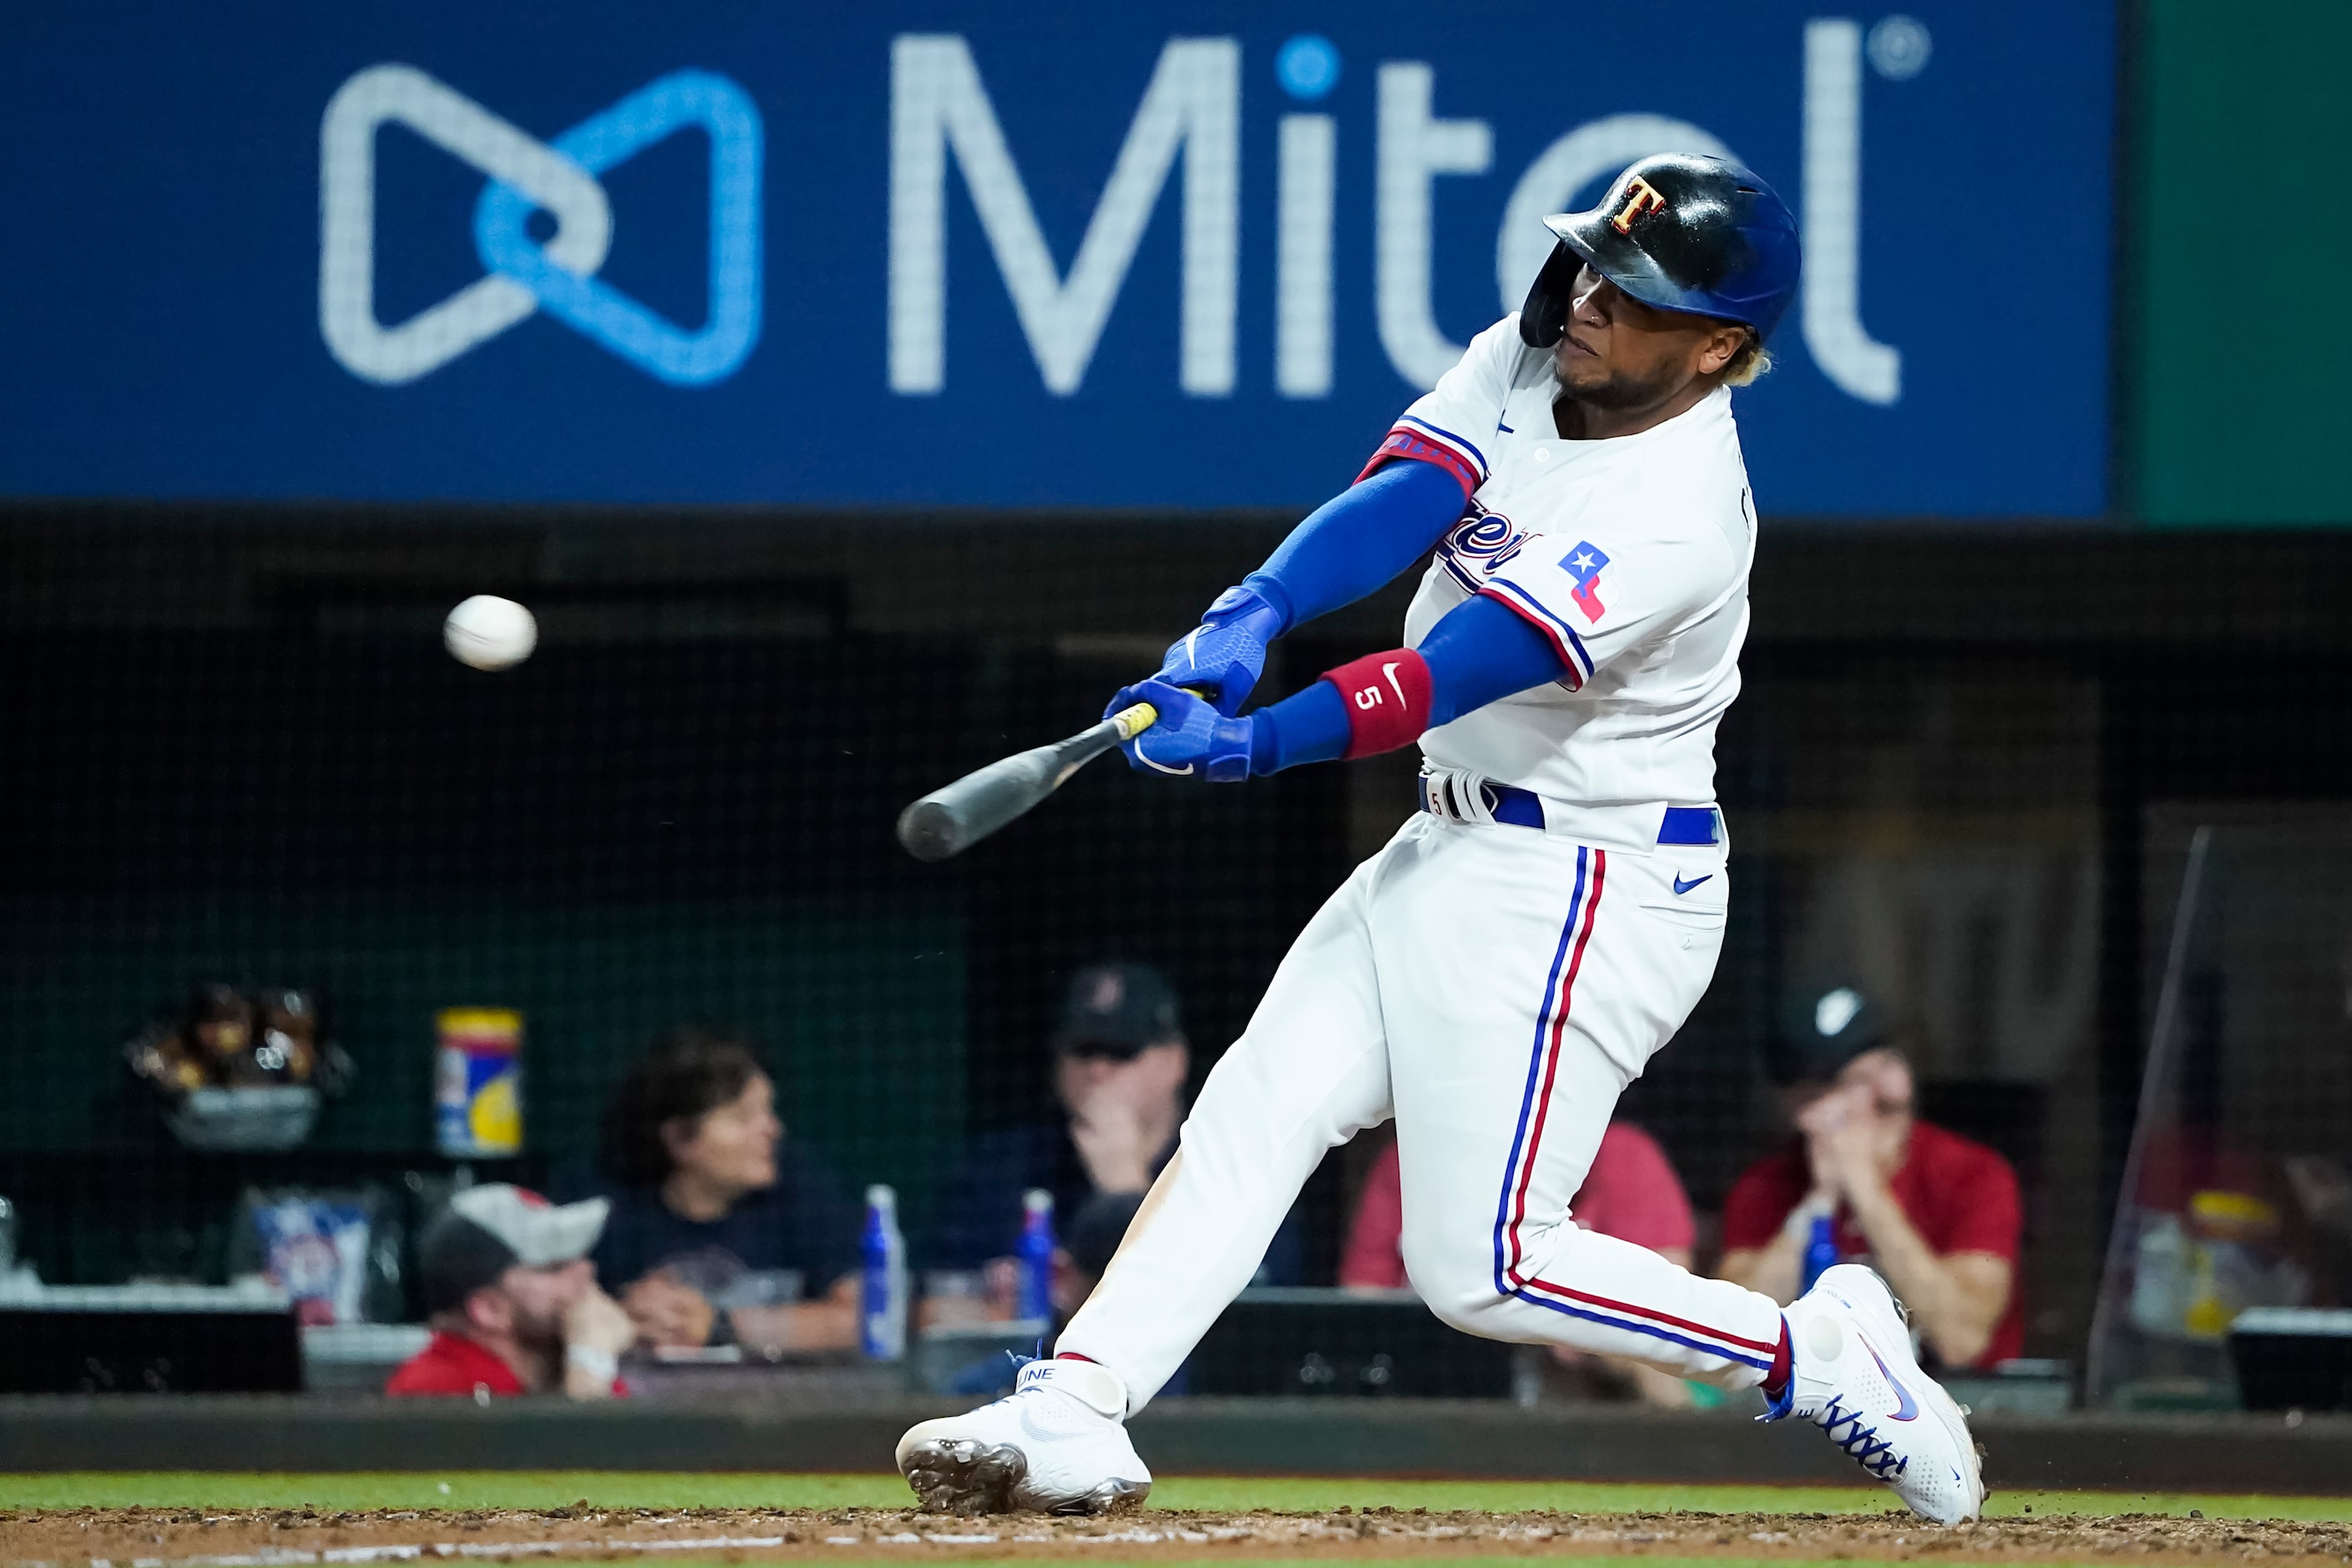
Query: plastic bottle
x,y
1035,1252
1821,1249
882,1316
2164,1277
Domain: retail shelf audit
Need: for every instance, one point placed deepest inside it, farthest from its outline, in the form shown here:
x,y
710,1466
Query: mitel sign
x,y
922,255
940,113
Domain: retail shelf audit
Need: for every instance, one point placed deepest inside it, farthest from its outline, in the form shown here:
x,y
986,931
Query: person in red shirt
x,y
1631,1191
513,1301
1937,1214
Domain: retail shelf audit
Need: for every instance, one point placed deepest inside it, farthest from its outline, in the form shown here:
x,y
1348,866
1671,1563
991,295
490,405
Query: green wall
x,y
2243,231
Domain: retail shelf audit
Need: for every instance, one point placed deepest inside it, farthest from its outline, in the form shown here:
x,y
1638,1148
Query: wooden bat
x,y
954,817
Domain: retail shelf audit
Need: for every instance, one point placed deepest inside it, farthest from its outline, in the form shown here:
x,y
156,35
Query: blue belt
x,y
1524,808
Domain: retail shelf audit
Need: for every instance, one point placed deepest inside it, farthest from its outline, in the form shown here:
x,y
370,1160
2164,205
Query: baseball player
x,y
1498,973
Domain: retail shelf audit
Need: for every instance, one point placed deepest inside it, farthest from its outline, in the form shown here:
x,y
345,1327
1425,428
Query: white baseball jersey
x,y
1630,554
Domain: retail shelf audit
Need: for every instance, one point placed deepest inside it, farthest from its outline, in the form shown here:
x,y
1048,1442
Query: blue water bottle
x,y
1821,1249
1035,1254
882,1293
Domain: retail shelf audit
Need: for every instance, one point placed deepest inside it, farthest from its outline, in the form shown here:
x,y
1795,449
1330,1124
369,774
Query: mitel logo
x,y
525,276
940,115
942,123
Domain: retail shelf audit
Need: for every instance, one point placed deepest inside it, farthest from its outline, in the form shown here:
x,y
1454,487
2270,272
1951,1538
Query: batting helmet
x,y
1679,232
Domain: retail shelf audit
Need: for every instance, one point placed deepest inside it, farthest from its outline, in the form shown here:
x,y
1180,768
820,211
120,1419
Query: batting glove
x,y
1189,739
1225,654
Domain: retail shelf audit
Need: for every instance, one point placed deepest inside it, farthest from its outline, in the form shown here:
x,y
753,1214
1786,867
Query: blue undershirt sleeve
x,y
1309,726
1357,541
1478,652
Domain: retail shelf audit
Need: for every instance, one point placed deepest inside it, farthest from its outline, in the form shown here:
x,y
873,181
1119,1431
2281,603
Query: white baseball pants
x,y
1494,988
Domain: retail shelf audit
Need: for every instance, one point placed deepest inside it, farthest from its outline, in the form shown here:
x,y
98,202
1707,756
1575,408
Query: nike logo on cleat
x,y
1904,1409
1682,887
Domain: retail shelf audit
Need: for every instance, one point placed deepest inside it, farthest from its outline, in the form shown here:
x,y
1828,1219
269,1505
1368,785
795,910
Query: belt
x,y
1516,807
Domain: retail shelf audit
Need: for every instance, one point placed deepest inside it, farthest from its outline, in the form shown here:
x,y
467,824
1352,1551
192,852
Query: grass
x,y
554,1489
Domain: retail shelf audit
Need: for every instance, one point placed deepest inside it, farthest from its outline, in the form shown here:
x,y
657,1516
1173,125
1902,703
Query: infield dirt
x,y
264,1538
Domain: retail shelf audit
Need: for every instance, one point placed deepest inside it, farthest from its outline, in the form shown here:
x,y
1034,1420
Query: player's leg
x,y
1311,1070
1525,982
1550,972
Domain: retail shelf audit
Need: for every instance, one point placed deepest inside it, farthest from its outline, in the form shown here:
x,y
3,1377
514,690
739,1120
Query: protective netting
x,y
679,810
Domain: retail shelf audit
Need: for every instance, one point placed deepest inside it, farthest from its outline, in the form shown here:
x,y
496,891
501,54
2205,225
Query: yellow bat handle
x,y
1133,721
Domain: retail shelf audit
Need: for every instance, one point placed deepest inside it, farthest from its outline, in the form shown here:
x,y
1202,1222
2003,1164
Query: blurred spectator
x,y
1088,1244
1937,1214
712,1204
1120,1065
513,1301
1631,1193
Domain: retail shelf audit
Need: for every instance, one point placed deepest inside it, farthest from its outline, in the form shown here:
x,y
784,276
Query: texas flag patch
x,y
1584,563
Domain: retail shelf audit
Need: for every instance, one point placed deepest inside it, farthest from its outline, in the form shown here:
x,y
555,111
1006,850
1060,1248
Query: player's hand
x,y
1191,739
1224,654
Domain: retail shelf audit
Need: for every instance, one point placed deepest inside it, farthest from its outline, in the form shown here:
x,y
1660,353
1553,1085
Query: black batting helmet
x,y
1680,232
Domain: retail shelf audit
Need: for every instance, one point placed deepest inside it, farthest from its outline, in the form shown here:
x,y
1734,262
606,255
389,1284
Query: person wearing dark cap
x,y
1120,1066
513,1301
1937,1214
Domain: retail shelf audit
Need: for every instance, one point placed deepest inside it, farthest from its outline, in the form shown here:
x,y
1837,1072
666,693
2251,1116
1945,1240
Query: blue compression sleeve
x,y
1480,652
1358,539
1309,726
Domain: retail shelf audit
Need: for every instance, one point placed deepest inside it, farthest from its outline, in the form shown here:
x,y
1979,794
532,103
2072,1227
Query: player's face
x,y
1621,353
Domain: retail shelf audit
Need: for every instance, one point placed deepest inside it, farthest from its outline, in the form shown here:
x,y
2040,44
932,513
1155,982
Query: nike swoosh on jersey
x,y
1682,887
1904,1408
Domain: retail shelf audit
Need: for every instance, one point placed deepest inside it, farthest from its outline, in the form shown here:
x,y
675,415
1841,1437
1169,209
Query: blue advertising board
x,y
1063,255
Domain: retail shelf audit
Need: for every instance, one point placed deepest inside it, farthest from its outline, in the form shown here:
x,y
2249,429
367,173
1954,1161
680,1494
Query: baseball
x,y
490,633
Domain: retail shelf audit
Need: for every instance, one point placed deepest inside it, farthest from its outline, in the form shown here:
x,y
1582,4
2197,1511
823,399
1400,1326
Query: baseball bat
x,y
952,818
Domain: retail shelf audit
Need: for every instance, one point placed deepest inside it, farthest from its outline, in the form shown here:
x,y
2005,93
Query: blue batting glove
x,y
1190,740
1225,654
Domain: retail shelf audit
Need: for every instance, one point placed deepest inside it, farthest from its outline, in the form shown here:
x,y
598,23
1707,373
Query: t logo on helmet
x,y
1641,196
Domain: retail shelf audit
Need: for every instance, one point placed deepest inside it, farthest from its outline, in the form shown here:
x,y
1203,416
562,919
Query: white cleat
x,y
1054,1444
1855,1377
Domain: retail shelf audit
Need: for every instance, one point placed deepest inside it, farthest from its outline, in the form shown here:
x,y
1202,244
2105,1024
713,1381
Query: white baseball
x,y
490,633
